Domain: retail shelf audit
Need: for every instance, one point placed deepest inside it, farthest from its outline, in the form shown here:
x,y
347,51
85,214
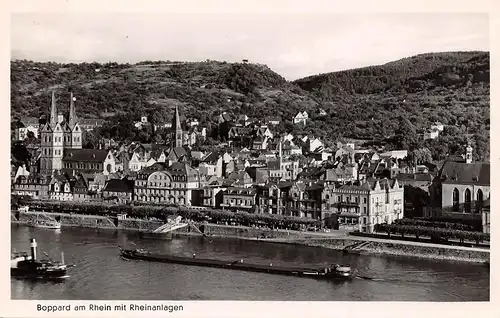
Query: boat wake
x,y
392,280
368,278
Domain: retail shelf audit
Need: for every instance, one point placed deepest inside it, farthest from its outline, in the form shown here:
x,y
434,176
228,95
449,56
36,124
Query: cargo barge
x,y
335,271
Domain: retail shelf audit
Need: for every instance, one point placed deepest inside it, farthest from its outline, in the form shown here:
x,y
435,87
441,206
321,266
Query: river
x,y
100,274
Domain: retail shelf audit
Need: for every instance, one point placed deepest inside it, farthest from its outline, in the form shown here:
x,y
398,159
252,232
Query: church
x,y
61,146
462,188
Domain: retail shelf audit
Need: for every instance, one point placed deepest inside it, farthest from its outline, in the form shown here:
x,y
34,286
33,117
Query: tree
x,y
90,139
20,153
405,135
422,155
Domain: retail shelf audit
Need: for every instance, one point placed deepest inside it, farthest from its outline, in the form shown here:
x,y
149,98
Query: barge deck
x,y
332,272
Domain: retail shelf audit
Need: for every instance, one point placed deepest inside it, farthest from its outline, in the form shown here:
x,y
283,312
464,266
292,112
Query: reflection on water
x,y
101,274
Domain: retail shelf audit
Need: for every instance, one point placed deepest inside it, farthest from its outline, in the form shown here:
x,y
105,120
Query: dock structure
x,y
172,226
168,227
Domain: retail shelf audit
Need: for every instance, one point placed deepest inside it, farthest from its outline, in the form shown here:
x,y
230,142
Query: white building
x,y
301,118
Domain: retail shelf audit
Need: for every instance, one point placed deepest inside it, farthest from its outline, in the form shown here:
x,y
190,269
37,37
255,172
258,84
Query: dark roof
x,y
363,187
81,183
241,191
26,121
314,186
423,177
183,169
211,157
157,166
274,164
245,131
85,155
119,185
477,173
155,154
176,153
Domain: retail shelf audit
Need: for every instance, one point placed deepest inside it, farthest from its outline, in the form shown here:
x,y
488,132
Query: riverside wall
x,y
395,249
219,230
265,235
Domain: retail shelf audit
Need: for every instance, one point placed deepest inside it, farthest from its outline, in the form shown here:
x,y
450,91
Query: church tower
x,y
52,142
176,125
75,132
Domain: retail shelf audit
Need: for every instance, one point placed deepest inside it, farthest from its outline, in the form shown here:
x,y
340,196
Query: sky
x,y
294,45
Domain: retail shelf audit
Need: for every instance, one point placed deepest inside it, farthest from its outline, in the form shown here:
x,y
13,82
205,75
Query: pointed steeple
x,y
177,129
53,110
280,153
177,119
72,111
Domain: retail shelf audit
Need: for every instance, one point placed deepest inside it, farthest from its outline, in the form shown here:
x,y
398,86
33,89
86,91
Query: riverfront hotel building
x,y
359,206
172,184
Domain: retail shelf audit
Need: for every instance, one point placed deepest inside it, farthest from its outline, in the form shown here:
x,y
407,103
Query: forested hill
x,y
365,103
406,75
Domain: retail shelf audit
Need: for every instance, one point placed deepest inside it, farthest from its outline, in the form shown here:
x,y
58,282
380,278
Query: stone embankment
x,y
395,248
342,242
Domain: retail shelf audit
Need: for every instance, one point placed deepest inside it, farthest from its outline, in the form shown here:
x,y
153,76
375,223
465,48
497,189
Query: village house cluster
x,y
254,170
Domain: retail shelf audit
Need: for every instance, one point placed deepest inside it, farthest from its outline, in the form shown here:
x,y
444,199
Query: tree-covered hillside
x,y
367,103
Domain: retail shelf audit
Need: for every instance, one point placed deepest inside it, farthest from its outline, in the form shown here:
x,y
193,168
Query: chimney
x,y
33,249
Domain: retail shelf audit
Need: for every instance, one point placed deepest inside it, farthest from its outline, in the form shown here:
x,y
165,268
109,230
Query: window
x,y
456,200
364,200
468,201
479,200
479,196
364,209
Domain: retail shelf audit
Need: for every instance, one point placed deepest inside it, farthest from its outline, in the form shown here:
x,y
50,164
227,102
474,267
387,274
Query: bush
x,y
162,212
433,232
437,224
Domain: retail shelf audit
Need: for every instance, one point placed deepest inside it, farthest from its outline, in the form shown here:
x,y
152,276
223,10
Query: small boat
x,y
335,271
25,266
46,224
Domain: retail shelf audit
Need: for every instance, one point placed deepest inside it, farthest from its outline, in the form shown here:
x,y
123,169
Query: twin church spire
x,y
57,136
54,118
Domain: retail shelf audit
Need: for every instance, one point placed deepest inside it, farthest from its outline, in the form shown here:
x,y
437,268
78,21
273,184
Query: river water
x,y
100,274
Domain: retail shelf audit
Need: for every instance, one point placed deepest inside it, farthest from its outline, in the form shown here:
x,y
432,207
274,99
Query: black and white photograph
x,y
250,157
